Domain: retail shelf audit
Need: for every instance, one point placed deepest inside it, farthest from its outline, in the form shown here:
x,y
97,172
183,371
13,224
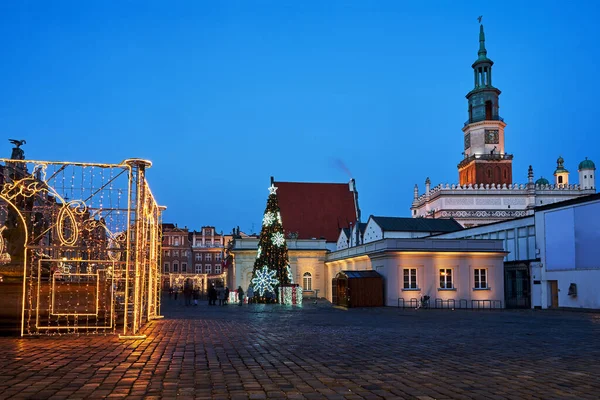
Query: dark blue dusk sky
x,y
222,95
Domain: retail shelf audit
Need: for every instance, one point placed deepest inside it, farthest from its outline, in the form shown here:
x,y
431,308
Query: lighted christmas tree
x,y
271,268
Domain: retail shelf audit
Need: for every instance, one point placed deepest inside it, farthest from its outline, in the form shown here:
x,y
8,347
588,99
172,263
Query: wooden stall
x,y
357,289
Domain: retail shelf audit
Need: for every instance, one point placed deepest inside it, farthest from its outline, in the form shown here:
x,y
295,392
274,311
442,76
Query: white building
x,y
485,192
469,273
518,241
568,237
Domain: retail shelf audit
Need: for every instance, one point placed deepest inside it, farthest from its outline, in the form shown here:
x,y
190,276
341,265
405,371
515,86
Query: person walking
x,y
221,295
226,301
250,294
240,293
195,295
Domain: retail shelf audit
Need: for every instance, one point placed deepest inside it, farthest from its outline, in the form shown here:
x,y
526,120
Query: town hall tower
x,y
485,160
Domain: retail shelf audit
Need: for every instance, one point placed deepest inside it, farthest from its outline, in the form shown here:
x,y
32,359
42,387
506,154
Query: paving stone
x,y
316,352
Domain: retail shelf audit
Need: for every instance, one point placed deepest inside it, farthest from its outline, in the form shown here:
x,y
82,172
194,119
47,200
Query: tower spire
x,y
482,53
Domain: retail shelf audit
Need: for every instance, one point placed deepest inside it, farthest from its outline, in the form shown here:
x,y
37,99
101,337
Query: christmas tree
x,y
271,268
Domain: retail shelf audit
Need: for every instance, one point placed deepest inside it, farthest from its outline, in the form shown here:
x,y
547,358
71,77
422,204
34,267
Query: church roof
x,y
316,210
407,224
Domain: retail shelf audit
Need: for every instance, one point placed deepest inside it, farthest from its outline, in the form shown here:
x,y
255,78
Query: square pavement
x,y
317,352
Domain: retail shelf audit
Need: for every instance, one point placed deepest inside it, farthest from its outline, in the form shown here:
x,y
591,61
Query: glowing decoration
x,y
290,295
278,239
87,239
264,281
289,273
268,219
272,252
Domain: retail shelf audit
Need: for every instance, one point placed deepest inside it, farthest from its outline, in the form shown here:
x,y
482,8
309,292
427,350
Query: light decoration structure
x,y
271,263
264,281
290,295
87,238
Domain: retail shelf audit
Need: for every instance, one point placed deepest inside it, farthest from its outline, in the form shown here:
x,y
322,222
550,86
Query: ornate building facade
x,y
486,192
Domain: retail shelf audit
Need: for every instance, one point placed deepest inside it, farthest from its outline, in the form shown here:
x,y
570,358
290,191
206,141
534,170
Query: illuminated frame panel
x,y
53,289
112,296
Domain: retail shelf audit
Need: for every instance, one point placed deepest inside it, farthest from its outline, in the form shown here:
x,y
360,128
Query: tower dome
x,y
542,181
587,164
587,180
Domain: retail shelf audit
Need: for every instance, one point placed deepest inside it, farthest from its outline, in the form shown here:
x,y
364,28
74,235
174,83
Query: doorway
x,y
517,285
553,293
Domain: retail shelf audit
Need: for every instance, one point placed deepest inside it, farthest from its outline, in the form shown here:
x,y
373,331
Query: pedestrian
x,y
212,295
221,296
226,300
196,294
250,294
240,293
187,292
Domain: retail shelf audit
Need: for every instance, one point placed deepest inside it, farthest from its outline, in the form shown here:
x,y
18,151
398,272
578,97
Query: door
x,y
553,291
517,285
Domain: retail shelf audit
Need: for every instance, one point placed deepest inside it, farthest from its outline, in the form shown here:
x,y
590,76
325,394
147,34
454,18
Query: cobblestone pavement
x,y
317,351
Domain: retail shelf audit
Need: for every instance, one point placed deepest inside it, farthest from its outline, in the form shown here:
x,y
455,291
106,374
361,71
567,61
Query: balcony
x,y
479,119
486,157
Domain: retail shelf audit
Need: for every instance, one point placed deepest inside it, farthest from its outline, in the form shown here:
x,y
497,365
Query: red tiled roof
x,y
315,210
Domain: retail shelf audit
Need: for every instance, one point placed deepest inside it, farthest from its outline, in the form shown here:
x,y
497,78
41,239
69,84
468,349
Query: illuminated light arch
x,y
10,203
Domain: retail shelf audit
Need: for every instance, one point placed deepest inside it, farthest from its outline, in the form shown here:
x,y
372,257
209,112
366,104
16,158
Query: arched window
x,y
307,281
560,179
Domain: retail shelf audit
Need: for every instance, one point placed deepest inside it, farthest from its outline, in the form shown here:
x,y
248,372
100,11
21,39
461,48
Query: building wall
x,y
481,204
517,235
568,239
304,255
389,257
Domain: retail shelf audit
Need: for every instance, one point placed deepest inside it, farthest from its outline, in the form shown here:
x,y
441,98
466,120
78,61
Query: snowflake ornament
x,y
268,219
278,239
264,280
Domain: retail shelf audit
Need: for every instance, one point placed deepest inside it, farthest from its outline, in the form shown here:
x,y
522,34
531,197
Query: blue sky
x,y
222,95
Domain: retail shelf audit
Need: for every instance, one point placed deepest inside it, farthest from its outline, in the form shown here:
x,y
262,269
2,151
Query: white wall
x,y
518,237
569,242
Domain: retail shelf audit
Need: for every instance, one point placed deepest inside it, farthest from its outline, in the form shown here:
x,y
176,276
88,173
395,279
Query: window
x,y
184,253
198,268
307,281
208,257
176,241
175,267
183,267
218,257
198,257
167,253
208,268
446,278
175,253
481,278
410,278
560,180
218,269
167,268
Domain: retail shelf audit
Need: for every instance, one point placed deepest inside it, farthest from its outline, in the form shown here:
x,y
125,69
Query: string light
x,y
88,260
